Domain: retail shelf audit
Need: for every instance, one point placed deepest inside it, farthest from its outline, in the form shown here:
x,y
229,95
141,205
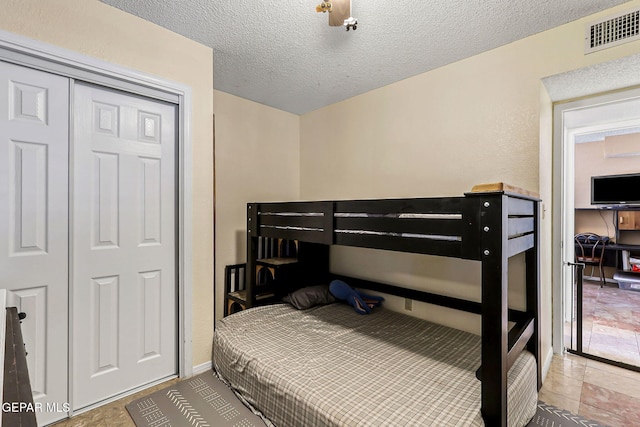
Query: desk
x,y
611,251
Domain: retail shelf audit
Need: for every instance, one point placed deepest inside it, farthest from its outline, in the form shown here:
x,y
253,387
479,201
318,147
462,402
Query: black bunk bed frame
x,y
489,227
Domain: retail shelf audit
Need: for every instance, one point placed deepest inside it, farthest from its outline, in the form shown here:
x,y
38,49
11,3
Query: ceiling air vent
x,y
612,31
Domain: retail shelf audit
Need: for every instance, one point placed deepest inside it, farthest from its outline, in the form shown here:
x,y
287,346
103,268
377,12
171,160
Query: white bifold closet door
x,y
124,313
34,246
113,282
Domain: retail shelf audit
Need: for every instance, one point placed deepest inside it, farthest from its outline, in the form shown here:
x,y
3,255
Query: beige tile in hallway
x,y
610,326
594,390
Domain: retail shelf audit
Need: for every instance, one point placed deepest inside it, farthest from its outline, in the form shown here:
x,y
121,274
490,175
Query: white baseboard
x,y
203,367
547,363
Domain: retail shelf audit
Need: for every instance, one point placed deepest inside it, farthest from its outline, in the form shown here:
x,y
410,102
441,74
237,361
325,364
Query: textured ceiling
x,y
284,54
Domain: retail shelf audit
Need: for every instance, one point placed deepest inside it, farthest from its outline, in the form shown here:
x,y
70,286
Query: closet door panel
x,y
34,139
124,256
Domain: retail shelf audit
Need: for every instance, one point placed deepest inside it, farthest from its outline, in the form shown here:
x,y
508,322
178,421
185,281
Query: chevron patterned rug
x,y
550,416
201,401
204,401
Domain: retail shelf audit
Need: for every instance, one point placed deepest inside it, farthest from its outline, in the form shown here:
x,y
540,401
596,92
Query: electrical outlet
x,y
408,304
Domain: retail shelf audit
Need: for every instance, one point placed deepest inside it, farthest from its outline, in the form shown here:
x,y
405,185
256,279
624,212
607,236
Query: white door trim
x,y
571,120
31,53
590,81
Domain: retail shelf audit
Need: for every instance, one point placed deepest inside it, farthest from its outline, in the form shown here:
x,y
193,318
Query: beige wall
x,y
257,159
615,155
599,221
94,29
478,120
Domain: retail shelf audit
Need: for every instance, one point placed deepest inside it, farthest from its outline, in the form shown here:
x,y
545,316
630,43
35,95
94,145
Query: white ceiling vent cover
x,y
612,31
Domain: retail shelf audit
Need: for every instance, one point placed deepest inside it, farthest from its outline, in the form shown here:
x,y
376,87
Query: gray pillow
x,y
309,297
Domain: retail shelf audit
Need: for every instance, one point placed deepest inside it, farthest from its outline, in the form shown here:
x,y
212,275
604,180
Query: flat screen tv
x,y
616,189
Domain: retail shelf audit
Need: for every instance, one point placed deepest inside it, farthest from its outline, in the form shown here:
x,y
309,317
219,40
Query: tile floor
x,y
611,323
594,390
611,329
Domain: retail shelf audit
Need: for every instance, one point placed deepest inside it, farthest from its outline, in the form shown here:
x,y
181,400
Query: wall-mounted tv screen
x,y
615,189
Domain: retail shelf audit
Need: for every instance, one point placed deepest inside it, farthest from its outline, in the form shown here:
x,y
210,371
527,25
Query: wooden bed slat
x,y
520,244
403,244
442,227
440,205
518,226
291,234
520,207
293,207
295,221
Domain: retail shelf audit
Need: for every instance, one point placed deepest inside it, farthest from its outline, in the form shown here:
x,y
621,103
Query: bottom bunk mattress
x,y
329,366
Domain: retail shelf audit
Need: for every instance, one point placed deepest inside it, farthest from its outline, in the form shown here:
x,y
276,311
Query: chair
x,y
590,251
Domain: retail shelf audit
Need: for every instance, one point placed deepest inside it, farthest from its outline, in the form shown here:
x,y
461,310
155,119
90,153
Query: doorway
x,y
594,317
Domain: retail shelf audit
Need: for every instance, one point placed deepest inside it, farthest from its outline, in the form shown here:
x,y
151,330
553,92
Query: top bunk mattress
x,y
329,366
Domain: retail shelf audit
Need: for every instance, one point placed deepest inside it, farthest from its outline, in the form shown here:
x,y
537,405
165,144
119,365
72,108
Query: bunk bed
x,y
490,224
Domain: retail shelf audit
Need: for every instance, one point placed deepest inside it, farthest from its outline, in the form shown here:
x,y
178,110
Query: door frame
x,y
568,123
21,50
588,81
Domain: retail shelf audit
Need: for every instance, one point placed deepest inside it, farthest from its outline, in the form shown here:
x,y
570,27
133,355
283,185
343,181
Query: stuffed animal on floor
x,y
361,303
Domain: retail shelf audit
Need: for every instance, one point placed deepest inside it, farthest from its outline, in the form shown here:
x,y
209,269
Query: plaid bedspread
x,y
329,366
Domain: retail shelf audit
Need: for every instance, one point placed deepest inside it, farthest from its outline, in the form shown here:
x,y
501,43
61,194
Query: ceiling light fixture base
x,y
339,13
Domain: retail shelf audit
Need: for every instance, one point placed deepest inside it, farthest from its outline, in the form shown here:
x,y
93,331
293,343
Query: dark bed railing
x,y
489,227
436,226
